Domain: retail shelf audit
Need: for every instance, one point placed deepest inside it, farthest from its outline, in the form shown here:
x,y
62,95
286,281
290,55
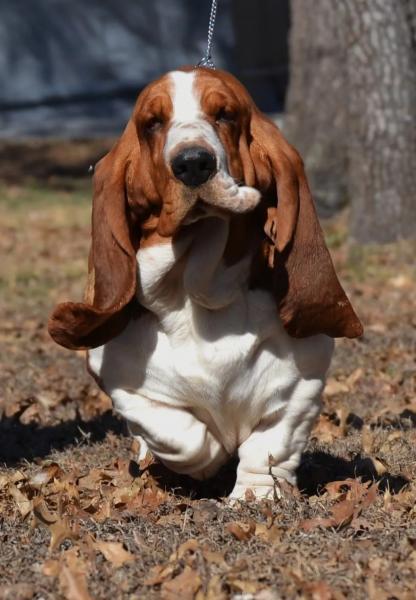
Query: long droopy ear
x,y
309,296
112,263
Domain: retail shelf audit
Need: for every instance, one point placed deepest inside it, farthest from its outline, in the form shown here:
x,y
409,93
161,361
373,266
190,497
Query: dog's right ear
x,y
309,296
112,262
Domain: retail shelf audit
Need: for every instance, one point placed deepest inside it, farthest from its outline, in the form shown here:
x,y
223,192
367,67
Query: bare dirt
x,y
80,518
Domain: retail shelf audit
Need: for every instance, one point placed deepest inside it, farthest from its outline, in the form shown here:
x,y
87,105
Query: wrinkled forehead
x,y
186,95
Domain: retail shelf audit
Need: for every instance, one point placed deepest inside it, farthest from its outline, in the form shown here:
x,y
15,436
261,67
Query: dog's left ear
x,y
112,262
309,295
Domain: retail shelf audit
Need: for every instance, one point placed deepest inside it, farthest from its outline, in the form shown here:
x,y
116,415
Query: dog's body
x,y
207,366
215,370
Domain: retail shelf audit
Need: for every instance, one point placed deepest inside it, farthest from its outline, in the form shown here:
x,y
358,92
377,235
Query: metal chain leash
x,y
207,61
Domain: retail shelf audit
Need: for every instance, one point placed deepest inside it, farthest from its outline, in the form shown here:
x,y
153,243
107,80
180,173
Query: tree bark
x,y
315,116
381,71
352,109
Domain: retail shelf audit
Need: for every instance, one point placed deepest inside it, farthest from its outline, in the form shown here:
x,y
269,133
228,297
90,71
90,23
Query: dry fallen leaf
x,y
216,558
73,584
135,447
51,567
269,534
184,554
42,512
355,376
149,499
367,440
370,496
127,494
94,478
320,590
171,519
267,594
17,591
61,530
114,552
4,480
183,586
347,509
244,586
342,414
376,327
17,476
44,476
23,503
188,547
71,571
326,429
159,574
337,488
215,590
249,495
342,513
400,281
377,564
241,531
333,387
146,461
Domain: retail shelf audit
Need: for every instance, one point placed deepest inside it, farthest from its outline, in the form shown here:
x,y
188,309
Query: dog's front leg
x,y
174,435
273,450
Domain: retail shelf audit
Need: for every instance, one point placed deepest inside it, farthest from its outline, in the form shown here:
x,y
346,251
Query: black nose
x,y
194,166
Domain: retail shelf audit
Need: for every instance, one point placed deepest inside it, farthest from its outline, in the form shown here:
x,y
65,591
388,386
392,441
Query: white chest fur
x,y
210,358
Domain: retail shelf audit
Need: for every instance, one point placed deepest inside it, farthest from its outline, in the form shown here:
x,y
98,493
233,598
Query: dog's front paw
x,y
250,493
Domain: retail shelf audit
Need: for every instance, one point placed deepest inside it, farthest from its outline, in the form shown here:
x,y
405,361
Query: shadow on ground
x,y
30,441
319,468
20,442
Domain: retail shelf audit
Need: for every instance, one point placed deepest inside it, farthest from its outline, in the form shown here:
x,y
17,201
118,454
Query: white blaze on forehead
x,y
188,120
186,105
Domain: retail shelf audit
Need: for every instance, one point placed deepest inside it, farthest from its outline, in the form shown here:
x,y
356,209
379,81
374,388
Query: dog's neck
x,y
193,268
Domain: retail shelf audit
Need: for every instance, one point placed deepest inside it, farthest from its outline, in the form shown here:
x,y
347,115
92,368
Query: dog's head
x,y
197,145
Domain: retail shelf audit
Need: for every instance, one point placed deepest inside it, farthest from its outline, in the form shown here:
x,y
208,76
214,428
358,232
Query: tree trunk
x,y
381,64
315,116
352,109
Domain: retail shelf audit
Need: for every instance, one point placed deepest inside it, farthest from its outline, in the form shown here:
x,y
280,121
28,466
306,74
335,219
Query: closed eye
x,y
153,124
225,115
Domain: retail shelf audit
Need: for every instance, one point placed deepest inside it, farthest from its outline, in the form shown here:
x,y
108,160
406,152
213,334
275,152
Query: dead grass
x,y
79,518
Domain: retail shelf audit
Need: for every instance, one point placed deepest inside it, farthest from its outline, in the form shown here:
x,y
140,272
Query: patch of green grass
x,y
44,237
41,207
380,263
26,283
335,238
35,195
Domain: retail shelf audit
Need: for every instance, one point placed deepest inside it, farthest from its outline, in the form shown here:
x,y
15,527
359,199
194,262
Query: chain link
x,y
207,61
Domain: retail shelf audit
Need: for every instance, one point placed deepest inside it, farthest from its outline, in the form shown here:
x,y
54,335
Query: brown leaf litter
x,y
80,518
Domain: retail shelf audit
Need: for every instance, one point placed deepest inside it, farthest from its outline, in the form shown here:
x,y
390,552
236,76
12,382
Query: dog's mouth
x,y
220,197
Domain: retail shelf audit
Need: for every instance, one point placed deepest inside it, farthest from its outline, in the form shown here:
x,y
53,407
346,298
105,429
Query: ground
x,y
80,518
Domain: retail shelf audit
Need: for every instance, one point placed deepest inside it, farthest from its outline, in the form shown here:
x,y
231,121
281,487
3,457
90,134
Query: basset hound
x,y
212,300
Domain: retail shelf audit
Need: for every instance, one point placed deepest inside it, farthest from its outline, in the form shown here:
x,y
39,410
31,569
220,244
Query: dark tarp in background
x,y
261,49
72,68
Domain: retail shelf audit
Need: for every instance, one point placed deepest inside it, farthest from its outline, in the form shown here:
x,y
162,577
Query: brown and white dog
x,y
212,300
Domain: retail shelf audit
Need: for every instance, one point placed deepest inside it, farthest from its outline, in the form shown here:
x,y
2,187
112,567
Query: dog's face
x,y
196,145
189,126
